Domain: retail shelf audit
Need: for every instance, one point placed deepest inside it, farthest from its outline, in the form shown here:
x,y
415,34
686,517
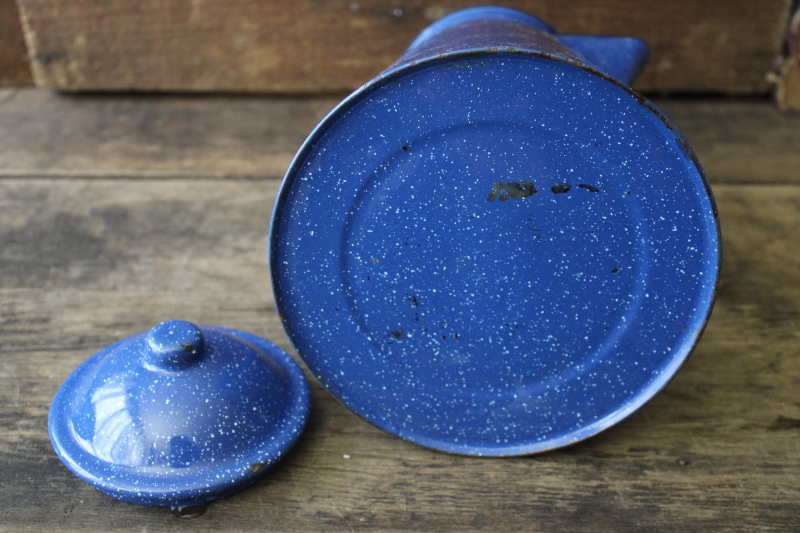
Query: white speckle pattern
x,y
432,292
179,416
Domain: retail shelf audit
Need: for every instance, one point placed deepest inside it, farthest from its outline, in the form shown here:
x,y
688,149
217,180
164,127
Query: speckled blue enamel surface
x,y
494,253
162,419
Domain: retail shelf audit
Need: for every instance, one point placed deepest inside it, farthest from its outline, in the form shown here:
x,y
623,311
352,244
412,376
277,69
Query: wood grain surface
x,y
48,134
15,69
332,45
87,260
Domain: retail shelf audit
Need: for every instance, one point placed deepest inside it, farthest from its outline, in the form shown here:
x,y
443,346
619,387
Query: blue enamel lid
x,y
179,416
497,250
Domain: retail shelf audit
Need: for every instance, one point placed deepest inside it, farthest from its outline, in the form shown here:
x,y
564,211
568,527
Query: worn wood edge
x,y
786,77
15,67
787,92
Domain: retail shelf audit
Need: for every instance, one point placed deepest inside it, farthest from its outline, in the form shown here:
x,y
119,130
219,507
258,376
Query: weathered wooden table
x,y
120,212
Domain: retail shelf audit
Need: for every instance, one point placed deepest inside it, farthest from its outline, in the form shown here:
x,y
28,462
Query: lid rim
x,y
201,484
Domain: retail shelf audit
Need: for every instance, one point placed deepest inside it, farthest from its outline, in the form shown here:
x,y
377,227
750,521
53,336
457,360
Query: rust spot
x,y
256,467
511,189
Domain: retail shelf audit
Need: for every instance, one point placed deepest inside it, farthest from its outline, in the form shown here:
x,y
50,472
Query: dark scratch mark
x,y
784,422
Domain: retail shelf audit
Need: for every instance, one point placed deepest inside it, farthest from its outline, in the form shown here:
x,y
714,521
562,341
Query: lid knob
x,y
174,345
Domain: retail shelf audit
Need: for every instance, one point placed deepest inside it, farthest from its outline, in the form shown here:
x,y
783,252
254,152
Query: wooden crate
x,y
306,46
787,69
14,66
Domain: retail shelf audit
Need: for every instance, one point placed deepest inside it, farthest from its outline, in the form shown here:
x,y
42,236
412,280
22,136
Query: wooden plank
x,y
15,69
47,134
739,142
333,45
85,262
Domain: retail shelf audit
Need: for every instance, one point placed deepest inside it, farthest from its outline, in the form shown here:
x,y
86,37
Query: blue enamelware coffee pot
x,y
496,247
